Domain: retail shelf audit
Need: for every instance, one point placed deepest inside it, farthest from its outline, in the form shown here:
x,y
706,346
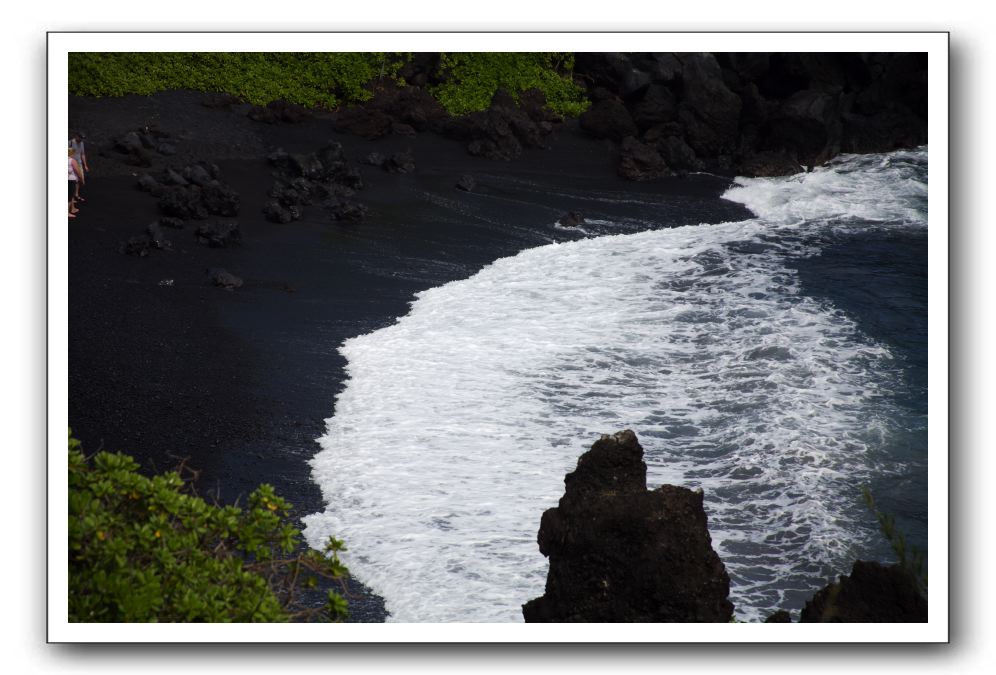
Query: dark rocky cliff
x,y
751,113
668,113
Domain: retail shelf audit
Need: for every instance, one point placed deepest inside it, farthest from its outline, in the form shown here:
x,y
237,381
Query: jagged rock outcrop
x,y
505,128
608,118
749,113
872,593
621,553
640,161
755,113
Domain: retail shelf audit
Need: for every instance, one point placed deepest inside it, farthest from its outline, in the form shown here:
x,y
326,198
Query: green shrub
x,y
148,550
326,79
317,79
470,79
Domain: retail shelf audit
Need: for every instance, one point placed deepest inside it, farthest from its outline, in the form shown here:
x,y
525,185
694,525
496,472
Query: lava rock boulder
x,y
621,553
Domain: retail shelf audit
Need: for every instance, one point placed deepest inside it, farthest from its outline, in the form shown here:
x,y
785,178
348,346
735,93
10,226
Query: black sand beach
x,y
165,366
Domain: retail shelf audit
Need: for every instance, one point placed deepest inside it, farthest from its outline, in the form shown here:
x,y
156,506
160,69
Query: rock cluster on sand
x,y
194,192
138,145
399,162
324,177
619,552
751,113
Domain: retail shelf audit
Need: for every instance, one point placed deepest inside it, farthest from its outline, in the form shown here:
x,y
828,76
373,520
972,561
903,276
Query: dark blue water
x,y
879,279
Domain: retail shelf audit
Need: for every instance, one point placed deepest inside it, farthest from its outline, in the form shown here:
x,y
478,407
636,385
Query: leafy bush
x,y
326,79
147,550
470,79
306,78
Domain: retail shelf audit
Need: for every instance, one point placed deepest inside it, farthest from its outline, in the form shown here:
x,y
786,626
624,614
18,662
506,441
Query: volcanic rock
x,y
374,159
275,212
220,200
147,183
156,236
503,130
347,210
873,593
136,246
129,143
768,163
620,553
182,202
224,279
781,616
757,113
198,175
571,219
466,183
174,223
219,235
400,162
639,161
367,123
656,107
172,177
608,119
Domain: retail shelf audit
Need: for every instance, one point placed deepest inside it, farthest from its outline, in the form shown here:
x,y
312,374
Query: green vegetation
x,y
148,550
326,79
306,78
471,79
910,557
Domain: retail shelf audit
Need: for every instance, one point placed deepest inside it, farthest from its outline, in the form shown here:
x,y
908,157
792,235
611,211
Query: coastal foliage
x,y
910,557
148,550
470,79
327,79
317,79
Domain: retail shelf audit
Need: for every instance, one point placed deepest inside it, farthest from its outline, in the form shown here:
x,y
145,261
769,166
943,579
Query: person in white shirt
x,y
75,180
76,143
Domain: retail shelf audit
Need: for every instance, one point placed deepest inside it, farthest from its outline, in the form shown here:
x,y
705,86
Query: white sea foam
x,y
458,423
879,188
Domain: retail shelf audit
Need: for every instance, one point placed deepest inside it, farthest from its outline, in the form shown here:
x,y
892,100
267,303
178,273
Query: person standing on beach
x,y
76,143
75,180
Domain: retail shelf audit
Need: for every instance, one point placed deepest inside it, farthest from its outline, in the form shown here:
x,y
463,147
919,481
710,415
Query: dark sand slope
x,y
163,365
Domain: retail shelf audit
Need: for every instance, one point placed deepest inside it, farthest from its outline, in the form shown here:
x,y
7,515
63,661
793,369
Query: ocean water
x,y
779,363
